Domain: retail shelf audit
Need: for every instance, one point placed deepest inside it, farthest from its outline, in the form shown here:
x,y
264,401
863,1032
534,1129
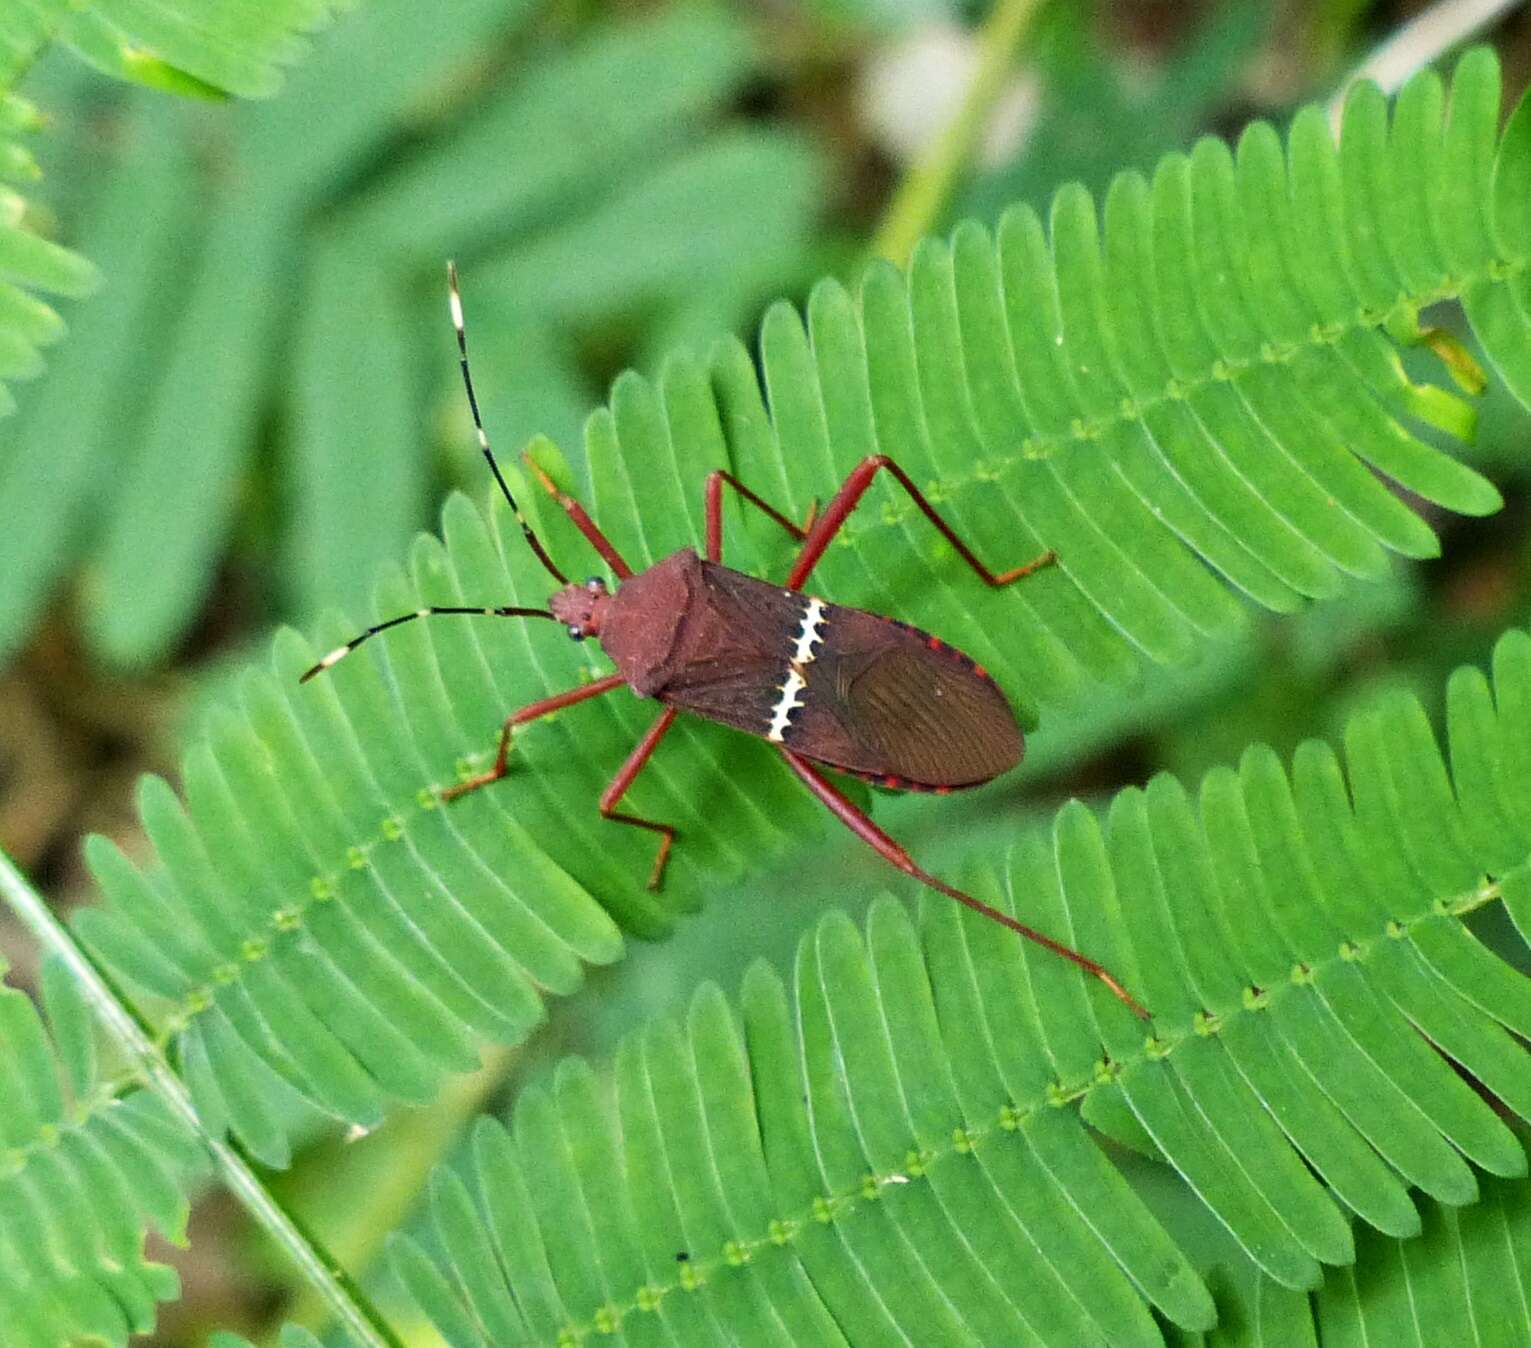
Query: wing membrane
x,y
931,719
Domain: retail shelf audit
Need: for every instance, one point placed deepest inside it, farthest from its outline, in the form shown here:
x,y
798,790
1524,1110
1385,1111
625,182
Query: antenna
x,y
340,652
483,438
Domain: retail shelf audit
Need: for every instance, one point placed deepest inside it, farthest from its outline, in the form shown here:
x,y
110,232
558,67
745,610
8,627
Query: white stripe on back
x,y
802,653
808,636
788,703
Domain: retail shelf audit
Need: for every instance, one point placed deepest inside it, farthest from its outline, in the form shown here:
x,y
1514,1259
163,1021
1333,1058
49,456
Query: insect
x,y
827,685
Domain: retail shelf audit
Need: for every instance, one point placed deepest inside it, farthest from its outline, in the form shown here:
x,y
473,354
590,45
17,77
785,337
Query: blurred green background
x,y
259,406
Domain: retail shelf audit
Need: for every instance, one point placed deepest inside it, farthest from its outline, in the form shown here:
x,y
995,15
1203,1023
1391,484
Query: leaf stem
x,y
1412,46
917,204
350,1307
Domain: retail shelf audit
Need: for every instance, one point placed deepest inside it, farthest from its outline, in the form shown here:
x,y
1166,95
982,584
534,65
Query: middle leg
x,y
849,496
636,761
715,481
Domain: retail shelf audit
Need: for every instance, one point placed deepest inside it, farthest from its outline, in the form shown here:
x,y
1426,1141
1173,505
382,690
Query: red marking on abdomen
x,y
892,782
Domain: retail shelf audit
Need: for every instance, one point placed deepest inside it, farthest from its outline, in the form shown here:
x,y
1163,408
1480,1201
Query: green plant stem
x,y
917,204
361,1321
370,1195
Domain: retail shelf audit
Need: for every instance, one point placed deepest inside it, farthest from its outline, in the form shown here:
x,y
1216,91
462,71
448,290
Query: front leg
x,y
581,517
542,707
715,481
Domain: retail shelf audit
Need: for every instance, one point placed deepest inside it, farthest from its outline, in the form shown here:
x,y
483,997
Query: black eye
x,y
576,631
595,584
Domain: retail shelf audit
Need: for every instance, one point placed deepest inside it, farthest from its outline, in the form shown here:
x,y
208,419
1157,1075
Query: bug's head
x,y
581,608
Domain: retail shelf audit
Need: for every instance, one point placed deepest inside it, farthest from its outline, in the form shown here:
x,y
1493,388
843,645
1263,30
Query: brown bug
x,y
852,690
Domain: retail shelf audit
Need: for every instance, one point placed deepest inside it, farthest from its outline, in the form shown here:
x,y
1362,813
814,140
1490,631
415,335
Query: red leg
x,y
869,833
582,521
715,481
624,779
845,501
543,707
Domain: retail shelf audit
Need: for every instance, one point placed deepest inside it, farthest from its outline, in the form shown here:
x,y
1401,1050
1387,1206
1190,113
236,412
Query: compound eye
x,y
576,631
595,585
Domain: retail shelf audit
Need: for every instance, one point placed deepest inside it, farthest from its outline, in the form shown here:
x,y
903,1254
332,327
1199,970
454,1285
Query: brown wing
x,y
932,721
892,703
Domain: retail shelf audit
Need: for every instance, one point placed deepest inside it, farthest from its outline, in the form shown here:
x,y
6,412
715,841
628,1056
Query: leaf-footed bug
x,y
854,691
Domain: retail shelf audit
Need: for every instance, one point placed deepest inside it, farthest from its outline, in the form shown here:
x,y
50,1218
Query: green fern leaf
x,y
183,46
316,915
887,1144
356,937
617,126
191,48
28,262
80,403
1192,384
86,1169
187,47
1461,1277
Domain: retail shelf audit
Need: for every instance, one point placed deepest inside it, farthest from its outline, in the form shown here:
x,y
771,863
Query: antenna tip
x,y
332,658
